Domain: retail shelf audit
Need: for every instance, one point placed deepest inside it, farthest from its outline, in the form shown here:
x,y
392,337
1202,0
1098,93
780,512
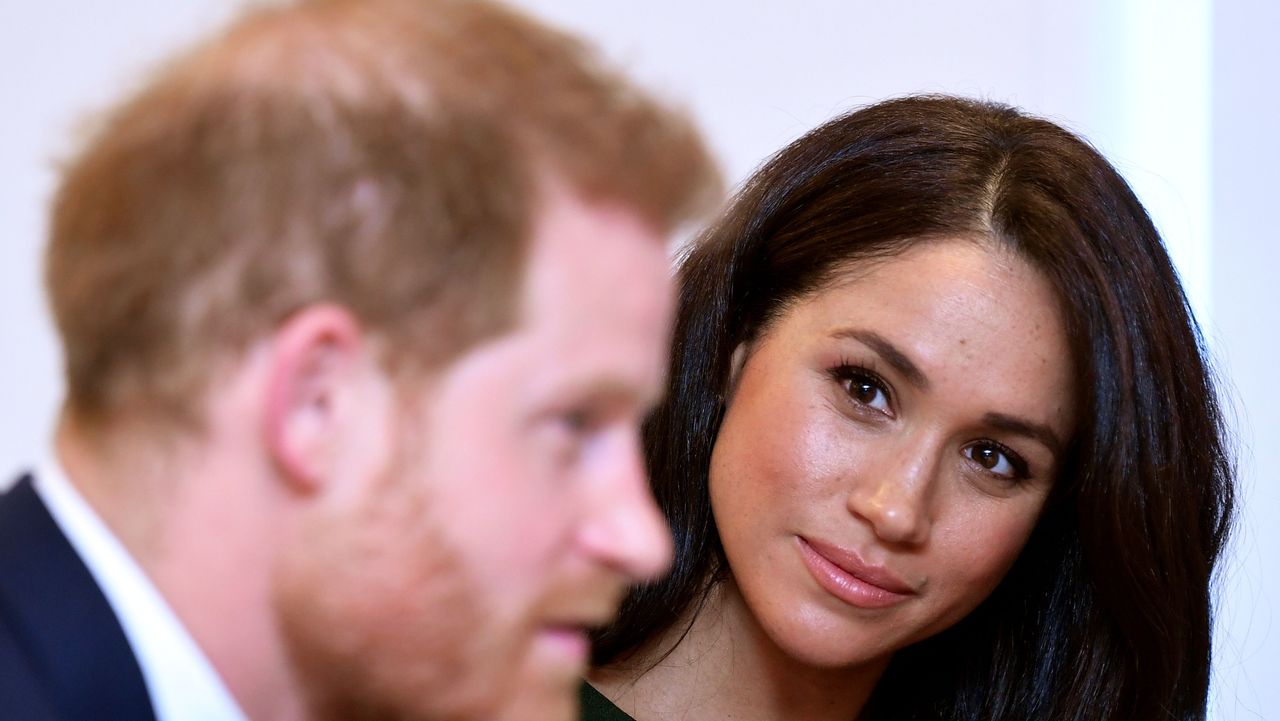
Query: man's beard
x,y
381,618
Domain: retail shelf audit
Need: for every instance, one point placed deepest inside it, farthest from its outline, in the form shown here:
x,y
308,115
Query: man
x,y
361,302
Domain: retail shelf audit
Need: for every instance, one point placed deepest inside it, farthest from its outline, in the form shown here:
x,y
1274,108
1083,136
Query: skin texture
x,y
828,437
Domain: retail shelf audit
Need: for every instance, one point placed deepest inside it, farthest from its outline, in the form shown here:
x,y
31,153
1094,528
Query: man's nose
x,y
624,528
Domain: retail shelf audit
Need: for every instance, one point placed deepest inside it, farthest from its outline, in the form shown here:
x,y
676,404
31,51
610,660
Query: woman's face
x,y
887,448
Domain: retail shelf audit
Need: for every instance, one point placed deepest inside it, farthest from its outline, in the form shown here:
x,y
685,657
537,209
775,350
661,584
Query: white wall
x,y
59,60
1246,333
1179,93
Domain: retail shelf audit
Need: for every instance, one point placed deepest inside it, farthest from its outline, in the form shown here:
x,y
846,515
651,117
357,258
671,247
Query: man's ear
x,y
319,359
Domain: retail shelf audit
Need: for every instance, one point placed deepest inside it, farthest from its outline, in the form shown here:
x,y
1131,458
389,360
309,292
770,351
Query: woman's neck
x,y
727,667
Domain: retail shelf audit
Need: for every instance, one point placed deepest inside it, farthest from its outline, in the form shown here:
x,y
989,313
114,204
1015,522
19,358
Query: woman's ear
x,y
318,359
736,361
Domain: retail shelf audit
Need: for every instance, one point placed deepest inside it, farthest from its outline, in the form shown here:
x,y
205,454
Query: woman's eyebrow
x,y
889,352
1022,427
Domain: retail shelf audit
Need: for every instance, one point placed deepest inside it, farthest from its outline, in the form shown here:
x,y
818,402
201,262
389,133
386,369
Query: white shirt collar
x,y
183,684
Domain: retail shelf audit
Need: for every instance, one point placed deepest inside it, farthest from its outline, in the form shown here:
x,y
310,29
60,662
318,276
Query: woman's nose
x,y
893,495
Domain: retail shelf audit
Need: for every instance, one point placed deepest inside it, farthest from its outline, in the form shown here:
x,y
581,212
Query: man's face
x,y
508,507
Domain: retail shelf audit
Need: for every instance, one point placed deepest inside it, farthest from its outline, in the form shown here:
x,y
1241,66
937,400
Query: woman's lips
x,y
844,574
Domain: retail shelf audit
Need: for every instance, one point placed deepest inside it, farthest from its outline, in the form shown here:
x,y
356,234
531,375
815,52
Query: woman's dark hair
x,y
1107,612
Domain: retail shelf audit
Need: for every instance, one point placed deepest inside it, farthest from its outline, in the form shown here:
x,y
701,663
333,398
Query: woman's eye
x,y
866,390
997,460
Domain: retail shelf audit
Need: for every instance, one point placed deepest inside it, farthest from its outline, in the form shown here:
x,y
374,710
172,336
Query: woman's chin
x,y
831,644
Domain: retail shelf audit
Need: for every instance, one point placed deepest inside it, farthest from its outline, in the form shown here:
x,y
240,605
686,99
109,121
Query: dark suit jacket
x,y
63,655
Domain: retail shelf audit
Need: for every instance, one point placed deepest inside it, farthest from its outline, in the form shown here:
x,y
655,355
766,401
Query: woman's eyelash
x,y
851,376
1021,470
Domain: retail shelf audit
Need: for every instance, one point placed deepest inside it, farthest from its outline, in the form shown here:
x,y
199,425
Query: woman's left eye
x,y
997,460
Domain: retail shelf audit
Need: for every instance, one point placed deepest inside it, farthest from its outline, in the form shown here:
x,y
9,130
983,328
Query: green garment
x,y
595,707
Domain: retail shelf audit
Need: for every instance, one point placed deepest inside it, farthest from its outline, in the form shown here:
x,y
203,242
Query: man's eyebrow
x,y
889,352
609,391
1022,427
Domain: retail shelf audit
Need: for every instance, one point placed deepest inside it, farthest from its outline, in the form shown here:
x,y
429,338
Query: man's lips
x,y
567,635
569,641
569,627
845,575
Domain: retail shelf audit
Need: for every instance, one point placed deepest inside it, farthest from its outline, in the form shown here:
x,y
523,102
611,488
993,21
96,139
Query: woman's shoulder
x,y
595,707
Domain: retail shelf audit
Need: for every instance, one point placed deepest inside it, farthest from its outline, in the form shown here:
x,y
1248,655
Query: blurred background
x,y
1181,95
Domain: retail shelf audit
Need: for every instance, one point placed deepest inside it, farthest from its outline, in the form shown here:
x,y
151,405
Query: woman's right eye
x,y
864,388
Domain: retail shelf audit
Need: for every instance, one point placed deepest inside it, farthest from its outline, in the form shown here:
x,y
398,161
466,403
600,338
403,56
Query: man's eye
x,y
578,421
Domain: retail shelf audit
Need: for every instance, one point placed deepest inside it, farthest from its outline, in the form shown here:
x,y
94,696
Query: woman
x,y
940,443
